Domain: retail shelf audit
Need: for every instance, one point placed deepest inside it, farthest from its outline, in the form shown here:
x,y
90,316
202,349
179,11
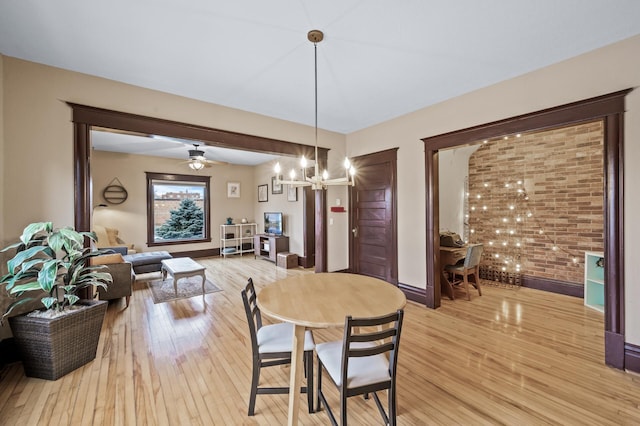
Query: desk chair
x,y
271,345
363,363
471,266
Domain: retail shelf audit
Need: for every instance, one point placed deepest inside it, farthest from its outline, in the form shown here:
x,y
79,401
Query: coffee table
x,y
182,267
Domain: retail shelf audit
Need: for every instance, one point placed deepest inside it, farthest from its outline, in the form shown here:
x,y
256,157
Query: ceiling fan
x,y
197,160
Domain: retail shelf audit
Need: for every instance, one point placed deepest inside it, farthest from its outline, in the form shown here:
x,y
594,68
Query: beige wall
x,y
453,169
130,217
605,70
292,211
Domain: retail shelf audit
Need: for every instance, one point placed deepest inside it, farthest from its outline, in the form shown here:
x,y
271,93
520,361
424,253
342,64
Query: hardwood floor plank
x,y
513,356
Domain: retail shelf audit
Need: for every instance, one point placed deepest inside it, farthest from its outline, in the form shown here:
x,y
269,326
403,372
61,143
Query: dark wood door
x,y
373,246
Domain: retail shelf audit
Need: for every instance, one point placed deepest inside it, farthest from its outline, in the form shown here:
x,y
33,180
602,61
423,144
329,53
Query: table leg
x,y
296,374
204,278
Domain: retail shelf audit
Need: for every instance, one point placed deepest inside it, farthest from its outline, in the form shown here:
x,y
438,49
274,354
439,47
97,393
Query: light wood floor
x,y
512,356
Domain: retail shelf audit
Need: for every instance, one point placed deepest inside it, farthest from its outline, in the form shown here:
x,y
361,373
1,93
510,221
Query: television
x,y
273,223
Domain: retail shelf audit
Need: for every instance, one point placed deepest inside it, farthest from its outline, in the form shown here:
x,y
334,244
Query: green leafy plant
x,y
53,260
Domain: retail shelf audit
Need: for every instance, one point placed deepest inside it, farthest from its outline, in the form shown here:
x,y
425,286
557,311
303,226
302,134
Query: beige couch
x,y
122,274
108,238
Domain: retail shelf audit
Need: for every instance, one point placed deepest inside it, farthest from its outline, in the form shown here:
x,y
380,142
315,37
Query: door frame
x,y
608,108
84,117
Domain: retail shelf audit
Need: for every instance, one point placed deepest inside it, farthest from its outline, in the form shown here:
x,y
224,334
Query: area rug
x,y
162,291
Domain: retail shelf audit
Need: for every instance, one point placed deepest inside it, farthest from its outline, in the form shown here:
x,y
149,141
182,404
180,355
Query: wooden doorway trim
x,y
608,108
84,117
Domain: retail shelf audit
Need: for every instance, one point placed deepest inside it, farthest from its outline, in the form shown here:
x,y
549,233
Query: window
x,y
177,209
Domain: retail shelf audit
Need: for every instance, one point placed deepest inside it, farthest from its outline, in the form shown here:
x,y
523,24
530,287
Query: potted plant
x,y
53,265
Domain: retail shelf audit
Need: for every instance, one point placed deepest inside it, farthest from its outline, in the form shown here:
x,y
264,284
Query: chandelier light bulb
x,y
347,163
292,174
325,174
352,171
303,162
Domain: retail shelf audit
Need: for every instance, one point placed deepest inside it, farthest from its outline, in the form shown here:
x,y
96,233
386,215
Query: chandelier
x,y
317,181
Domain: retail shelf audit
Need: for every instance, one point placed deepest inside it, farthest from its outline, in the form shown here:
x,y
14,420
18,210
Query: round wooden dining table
x,y
323,300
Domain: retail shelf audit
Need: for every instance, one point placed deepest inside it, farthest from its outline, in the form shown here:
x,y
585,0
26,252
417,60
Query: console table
x,y
268,246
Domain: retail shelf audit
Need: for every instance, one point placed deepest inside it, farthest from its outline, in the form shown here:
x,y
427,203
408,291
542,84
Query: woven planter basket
x,y
51,348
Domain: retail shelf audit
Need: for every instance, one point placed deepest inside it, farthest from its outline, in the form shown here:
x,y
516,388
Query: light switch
x,y
337,201
331,221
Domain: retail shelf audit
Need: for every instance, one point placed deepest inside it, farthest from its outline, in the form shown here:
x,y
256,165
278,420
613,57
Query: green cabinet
x,y
594,280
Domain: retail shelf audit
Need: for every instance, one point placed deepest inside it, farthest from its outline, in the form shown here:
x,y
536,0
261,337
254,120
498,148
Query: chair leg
x,y
466,286
254,386
392,405
343,409
319,386
477,277
309,372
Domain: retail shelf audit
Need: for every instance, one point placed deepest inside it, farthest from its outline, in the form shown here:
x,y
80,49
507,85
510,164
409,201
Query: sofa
x,y
122,274
108,238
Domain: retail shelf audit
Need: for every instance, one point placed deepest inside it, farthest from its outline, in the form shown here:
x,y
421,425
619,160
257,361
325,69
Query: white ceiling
x,y
379,59
163,146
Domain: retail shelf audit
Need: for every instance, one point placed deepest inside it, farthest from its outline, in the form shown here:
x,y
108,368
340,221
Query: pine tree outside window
x,y
177,209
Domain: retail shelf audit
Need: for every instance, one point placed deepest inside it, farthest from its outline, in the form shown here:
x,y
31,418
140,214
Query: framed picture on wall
x,y
263,193
233,189
292,193
276,188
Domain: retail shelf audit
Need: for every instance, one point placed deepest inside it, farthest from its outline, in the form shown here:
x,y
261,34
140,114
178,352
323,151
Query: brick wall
x,y
536,201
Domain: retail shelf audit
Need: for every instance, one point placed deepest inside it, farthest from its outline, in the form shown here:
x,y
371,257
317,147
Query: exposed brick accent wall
x,y
544,192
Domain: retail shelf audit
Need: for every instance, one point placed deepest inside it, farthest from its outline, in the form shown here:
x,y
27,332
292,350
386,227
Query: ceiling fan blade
x,y
215,162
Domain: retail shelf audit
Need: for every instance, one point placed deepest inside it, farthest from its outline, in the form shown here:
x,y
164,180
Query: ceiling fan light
x,y
196,165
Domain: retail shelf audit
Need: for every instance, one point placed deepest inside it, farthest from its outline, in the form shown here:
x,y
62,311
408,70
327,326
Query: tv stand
x,y
268,246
